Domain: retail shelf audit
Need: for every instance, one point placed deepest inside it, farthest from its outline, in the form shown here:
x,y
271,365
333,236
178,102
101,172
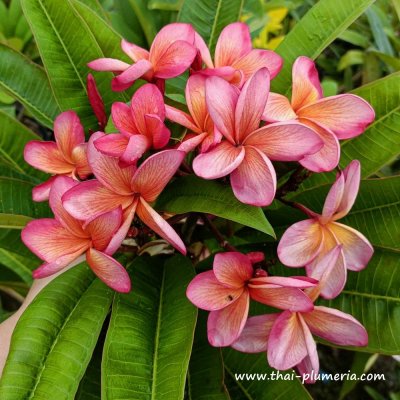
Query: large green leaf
x,y
66,45
20,265
209,17
194,194
55,338
148,344
261,386
314,32
27,82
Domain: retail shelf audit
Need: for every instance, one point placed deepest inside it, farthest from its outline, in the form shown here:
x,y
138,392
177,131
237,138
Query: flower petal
x,y
300,243
333,198
181,118
203,49
136,53
225,326
233,43
41,192
195,93
219,161
127,78
122,117
157,133
254,337
68,132
158,224
301,282
190,142
254,180
135,148
356,247
108,64
306,86
336,327
347,115
278,109
155,173
232,269
96,101
285,141
112,145
110,271
251,104
79,158
207,293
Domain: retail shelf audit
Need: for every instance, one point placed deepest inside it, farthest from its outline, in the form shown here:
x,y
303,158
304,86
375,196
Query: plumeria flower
x,y
170,55
247,150
62,240
235,59
227,289
96,102
306,242
65,156
141,125
199,121
332,118
130,188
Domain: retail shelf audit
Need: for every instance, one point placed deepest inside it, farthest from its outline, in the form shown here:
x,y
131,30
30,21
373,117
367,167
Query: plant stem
x,y
218,235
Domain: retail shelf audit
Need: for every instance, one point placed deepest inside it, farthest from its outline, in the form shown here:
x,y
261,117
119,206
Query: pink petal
x,y
107,170
203,49
306,86
352,176
225,326
190,142
108,64
103,227
254,180
254,337
300,243
136,53
112,145
181,118
233,43
195,93
46,157
79,158
287,342
336,327
218,162
123,119
221,98
41,192
175,60
327,158
110,271
155,173
96,101
301,282
136,147
232,269
356,247
333,198
257,59
278,108
127,78
90,199
158,224
346,115
207,293
49,240
250,105
157,133
285,141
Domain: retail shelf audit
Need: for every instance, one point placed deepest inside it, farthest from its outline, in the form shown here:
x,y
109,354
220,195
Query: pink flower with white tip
x,y
337,117
171,54
226,291
66,156
235,60
62,240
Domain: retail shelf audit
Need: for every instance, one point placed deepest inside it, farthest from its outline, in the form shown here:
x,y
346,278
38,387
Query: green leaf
x,y
96,7
27,82
167,5
381,40
314,32
206,369
66,45
260,389
209,17
55,338
191,193
148,344
20,265
146,19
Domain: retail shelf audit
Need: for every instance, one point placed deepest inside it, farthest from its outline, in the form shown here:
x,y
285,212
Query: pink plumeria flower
x,y
96,102
65,156
287,337
62,240
199,121
306,242
130,188
141,125
235,59
170,55
332,118
227,289
247,150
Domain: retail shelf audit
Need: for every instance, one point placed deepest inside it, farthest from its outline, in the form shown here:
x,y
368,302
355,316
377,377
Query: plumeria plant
x,y
198,173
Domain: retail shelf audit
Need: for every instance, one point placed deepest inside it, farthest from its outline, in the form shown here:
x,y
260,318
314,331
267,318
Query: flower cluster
x,y
234,126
